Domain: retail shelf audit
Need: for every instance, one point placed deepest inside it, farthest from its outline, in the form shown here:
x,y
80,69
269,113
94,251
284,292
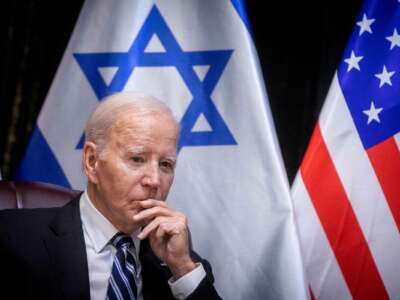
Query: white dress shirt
x,y
98,231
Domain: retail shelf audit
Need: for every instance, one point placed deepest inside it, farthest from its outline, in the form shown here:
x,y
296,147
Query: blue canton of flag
x,y
370,73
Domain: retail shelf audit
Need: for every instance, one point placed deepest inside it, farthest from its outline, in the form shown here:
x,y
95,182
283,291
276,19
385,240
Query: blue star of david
x,y
183,61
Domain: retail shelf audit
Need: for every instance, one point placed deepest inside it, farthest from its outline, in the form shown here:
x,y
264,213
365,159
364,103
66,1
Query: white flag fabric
x,y
347,193
198,57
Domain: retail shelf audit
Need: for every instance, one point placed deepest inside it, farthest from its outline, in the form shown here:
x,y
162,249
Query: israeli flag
x,y
198,57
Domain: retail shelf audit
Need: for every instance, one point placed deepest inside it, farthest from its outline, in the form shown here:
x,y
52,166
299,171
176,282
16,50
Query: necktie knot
x,y
122,241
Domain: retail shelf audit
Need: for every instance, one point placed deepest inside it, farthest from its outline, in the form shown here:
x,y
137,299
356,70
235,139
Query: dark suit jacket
x,y
43,256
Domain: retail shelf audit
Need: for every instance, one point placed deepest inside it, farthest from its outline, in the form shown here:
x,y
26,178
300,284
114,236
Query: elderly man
x,y
119,239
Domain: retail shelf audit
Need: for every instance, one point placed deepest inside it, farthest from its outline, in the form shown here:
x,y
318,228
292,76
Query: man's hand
x,y
168,234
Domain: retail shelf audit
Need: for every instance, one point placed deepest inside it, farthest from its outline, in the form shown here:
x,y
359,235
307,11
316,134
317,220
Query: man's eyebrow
x,y
136,149
171,158
142,150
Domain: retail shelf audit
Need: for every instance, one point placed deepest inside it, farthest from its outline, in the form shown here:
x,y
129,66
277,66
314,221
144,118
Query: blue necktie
x,y
121,285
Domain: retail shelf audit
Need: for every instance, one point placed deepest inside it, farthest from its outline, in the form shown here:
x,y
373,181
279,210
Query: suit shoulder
x,y
24,218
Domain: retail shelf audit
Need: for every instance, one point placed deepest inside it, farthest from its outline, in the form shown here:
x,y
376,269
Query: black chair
x,y
15,194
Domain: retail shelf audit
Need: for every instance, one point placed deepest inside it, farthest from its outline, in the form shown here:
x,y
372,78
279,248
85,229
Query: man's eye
x,y
167,165
137,159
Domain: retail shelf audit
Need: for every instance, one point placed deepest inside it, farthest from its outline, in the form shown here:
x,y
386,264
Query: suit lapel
x,y
66,246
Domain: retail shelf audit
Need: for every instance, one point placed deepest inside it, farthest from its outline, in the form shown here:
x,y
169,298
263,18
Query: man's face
x,y
137,163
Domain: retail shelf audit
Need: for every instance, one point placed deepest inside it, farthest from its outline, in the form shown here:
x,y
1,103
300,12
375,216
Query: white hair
x,y
104,117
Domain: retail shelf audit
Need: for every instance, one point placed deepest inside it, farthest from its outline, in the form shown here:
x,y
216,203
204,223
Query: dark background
x,y
299,44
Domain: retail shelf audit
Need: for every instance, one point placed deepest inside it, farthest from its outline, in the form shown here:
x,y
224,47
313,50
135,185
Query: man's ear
x,y
90,161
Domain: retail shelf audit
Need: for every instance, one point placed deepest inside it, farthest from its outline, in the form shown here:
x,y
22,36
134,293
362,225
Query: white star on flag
x,y
365,24
394,39
353,61
384,77
373,113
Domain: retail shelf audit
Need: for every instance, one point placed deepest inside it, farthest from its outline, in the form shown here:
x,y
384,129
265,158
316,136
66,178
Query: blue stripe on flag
x,y
40,164
241,10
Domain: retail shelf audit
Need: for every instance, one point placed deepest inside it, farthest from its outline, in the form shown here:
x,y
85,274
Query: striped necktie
x,y
121,285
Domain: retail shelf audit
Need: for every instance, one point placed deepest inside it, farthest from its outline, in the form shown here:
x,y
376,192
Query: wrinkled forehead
x,y
131,125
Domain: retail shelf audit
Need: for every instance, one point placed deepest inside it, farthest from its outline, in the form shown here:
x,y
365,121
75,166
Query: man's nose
x,y
152,175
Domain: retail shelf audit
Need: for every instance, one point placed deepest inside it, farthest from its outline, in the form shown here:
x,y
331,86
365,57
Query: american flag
x,y
347,192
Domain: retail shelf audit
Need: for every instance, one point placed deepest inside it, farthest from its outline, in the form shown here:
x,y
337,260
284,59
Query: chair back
x,y
15,194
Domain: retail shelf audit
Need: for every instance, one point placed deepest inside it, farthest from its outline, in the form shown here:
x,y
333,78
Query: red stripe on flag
x,y
312,297
339,222
385,159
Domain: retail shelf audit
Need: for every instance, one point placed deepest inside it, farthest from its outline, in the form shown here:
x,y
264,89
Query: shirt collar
x,y
98,228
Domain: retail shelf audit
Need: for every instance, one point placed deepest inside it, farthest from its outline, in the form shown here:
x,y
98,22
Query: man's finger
x,y
151,213
168,228
150,227
148,203
167,225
